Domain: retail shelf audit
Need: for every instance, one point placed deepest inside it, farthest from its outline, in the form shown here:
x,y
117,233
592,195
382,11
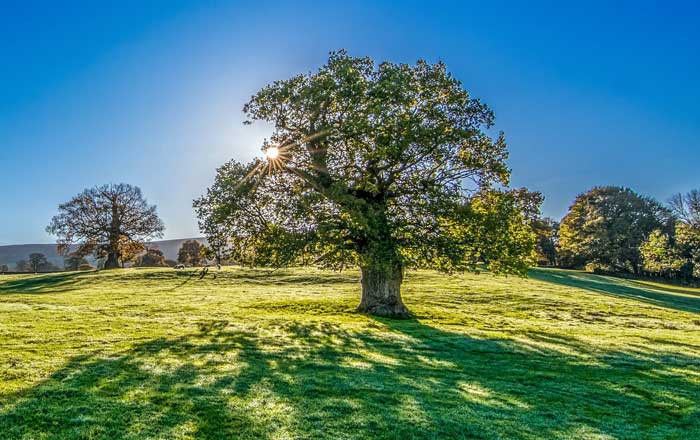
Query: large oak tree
x,y
106,221
387,166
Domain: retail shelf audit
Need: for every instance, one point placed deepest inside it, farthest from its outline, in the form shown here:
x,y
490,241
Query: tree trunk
x,y
112,261
381,292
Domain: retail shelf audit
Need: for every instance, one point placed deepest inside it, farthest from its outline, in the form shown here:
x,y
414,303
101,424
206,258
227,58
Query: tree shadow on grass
x,y
621,288
49,283
399,380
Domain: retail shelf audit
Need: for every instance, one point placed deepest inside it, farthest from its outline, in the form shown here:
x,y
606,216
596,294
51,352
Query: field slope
x,y
256,354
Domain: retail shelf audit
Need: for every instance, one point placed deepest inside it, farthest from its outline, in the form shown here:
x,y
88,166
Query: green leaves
x,y
606,226
387,162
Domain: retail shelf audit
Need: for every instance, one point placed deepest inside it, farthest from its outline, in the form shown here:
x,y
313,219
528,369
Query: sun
x,y
272,153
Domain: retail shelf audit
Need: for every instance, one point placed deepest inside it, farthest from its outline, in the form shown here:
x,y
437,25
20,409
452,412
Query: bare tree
x,y
686,207
104,221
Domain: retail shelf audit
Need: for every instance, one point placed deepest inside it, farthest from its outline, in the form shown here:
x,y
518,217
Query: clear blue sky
x,y
151,95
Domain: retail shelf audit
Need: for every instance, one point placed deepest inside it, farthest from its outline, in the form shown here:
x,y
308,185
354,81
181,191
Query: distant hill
x,y
11,254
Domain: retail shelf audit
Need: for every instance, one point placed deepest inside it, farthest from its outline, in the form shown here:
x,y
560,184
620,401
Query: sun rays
x,y
276,157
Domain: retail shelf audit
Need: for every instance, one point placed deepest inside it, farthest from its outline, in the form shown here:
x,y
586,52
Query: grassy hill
x,y
256,354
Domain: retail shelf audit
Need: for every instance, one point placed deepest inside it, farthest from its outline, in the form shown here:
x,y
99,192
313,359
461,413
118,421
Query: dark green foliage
x,y
190,253
152,258
386,167
676,253
547,231
605,227
74,262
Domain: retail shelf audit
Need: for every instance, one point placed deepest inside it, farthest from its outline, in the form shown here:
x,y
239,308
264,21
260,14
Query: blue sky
x,y
150,93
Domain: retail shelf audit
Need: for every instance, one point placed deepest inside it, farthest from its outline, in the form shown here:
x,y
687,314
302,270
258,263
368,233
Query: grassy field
x,y
256,354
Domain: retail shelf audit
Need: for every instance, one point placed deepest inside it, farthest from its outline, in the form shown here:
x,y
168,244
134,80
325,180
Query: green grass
x,y
256,354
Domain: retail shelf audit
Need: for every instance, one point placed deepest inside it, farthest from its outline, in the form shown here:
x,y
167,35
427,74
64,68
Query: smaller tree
x,y
688,242
547,232
38,262
659,256
4,268
686,208
130,250
152,258
73,262
190,253
23,266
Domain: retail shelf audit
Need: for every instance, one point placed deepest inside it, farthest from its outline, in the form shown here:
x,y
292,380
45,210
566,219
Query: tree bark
x,y
112,261
381,292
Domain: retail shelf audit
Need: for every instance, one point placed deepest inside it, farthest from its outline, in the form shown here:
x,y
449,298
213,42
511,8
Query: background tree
x,y
546,229
547,232
676,252
73,262
152,258
130,250
106,220
688,246
23,266
4,268
38,262
660,256
386,167
686,208
606,227
190,253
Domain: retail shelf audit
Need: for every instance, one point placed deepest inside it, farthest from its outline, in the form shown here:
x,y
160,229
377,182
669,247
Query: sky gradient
x,y
594,94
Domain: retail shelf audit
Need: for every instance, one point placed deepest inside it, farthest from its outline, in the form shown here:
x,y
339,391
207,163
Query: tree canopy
x,y
606,226
151,258
190,253
676,252
383,166
109,220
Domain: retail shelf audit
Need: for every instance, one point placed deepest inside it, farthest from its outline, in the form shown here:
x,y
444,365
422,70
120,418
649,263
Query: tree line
x,y
616,230
191,254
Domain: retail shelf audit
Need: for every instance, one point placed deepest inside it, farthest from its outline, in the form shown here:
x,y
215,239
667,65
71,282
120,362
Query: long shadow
x,y
621,288
402,380
50,283
683,290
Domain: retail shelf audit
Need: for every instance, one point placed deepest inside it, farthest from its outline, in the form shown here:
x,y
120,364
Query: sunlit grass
x,y
281,355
